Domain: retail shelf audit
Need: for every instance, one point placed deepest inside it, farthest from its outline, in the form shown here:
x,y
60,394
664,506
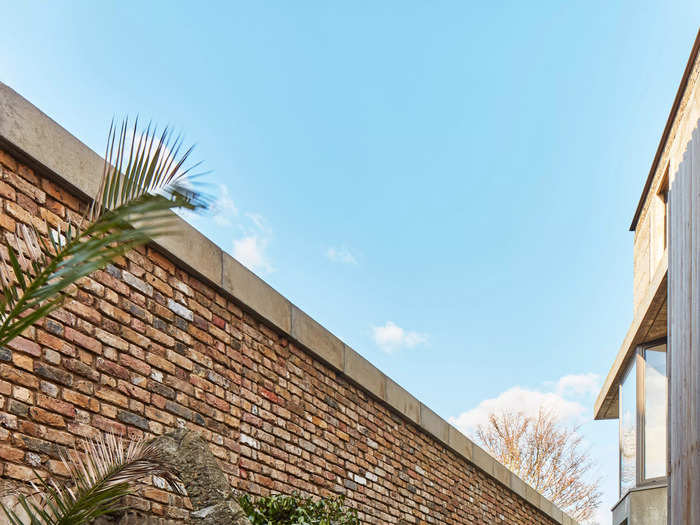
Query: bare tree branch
x,y
545,454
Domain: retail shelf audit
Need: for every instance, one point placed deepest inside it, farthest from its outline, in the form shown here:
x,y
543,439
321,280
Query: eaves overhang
x,y
647,325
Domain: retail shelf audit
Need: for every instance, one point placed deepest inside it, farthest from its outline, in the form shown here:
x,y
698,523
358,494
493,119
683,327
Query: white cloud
x,y
392,337
578,385
341,255
250,251
258,221
224,208
517,399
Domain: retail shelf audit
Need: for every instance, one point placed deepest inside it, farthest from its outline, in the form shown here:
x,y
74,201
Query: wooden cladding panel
x,y
684,338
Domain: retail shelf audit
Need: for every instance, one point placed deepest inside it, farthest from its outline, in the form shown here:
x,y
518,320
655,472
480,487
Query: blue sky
x,y
446,186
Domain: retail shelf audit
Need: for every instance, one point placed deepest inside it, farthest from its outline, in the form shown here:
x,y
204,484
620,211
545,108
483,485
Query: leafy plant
x,y
294,509
143,180
99,477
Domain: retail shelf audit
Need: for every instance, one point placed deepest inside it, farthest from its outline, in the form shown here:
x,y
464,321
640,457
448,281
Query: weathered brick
x,y
19,472
23,361
108,425
135,364
19,377
112,396
48,418
11,454
17,408
132,419
54,374
55,405
137,283
21,344
78,367
89,343
111,368
85,311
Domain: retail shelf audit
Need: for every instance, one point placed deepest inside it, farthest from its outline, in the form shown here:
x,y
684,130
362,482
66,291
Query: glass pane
x,y
655,414
628,430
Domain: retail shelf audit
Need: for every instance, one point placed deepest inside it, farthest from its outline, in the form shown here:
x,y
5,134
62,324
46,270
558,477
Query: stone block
x,y
518,486
533,496
482,459
460,443
317,339
364,373
192,248
434,424
501,473
39,137
402,401
256,294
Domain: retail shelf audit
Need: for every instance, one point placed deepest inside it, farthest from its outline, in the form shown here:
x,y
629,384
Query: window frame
x,y
642,480
632,366
638,362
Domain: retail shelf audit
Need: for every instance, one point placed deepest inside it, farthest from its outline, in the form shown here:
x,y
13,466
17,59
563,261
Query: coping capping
x,y
32,134
364,373
434,424
402,401
255,293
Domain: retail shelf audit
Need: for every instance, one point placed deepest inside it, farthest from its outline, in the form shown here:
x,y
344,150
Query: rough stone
x,y
211,496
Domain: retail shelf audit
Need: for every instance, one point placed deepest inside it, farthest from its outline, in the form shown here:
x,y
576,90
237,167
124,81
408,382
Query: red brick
x,y
19,472
22,344
23,361
47,418
55,405
111,368
135,364
18,377
108,425
10,453
89,343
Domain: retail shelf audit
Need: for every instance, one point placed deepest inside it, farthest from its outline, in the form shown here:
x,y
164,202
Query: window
x,y
642,413
628,429
654,413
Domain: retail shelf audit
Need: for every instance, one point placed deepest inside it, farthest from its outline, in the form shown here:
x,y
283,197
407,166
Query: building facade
x,y
651,387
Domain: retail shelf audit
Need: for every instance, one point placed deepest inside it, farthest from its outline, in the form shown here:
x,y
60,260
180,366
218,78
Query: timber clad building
x,y
180,334
653,387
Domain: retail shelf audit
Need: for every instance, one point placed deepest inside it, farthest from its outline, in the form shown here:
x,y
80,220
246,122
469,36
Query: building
x,y
653,386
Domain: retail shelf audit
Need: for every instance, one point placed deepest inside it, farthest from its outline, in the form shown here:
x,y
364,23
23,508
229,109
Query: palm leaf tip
x,y
145,177
140,162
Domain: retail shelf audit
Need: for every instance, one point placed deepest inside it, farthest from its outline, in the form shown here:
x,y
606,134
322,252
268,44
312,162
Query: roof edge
x,y
667,130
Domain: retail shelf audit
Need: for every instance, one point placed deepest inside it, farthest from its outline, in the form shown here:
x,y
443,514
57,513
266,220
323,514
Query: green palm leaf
x,y
144,179
99,477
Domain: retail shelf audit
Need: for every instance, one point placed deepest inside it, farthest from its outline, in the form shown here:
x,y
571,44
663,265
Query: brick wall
x,y
144,347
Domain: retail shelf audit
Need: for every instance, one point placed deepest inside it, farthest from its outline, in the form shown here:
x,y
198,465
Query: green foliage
x,y
143,181
281,509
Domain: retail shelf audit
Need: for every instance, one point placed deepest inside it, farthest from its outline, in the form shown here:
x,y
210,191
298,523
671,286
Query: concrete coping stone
x,y
44,143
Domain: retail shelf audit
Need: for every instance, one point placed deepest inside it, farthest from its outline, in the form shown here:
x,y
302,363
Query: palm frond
x,y
99,477
144,179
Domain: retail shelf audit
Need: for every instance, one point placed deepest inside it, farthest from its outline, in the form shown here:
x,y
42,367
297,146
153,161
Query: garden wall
x,y
180,334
